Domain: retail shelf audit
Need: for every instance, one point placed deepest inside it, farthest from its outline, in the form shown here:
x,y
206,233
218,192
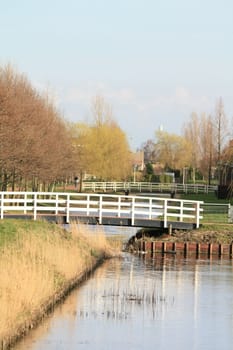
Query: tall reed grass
x,y
38,264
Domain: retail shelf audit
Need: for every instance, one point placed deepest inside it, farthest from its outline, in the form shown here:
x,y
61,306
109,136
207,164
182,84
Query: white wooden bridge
x,y
139,211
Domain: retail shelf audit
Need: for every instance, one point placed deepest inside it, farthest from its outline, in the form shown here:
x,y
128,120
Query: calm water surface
x,y
139,302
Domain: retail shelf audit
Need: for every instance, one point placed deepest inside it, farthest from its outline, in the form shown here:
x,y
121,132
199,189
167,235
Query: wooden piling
x,y
187,248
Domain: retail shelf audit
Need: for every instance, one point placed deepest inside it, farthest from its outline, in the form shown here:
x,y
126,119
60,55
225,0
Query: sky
x,y
153,61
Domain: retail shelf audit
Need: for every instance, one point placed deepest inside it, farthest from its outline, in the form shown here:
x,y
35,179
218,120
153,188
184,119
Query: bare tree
x,y
221,129
221,133
149,151
208,147
192,135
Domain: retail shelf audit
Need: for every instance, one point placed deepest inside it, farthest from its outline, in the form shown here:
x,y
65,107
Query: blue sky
x,y
154,61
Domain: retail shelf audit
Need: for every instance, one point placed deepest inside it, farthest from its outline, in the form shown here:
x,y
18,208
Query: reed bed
x,y
37,265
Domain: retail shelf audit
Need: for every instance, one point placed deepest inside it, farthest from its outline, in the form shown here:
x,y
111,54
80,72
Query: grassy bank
x,y
39,264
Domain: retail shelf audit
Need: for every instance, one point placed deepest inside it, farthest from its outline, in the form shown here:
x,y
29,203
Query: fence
x,y
147,187
217,213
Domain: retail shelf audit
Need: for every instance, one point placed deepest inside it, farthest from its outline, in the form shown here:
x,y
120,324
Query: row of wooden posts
x,y
186,248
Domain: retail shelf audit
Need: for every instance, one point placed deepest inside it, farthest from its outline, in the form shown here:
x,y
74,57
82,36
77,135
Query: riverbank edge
x,y
209,240
47,307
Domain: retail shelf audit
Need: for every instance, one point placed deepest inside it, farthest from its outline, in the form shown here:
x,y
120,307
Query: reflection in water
x,y
117,295
143,302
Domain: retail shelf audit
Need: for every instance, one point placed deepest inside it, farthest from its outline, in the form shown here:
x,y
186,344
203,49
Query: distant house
x,y
158,168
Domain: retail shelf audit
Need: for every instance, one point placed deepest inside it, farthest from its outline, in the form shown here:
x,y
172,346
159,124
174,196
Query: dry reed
x,y
38,265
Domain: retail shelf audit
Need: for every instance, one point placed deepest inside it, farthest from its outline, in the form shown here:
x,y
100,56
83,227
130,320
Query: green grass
x,y
215,218
207,198
10,228
8,231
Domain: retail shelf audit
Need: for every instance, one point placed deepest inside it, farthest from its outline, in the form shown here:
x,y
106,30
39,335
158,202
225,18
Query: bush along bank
x,y
39,264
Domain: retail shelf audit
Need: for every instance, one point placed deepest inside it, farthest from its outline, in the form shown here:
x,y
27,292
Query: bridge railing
x,y
99,206
147,187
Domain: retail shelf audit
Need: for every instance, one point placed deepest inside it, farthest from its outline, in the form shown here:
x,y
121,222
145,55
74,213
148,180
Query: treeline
x,y
39,148
201,151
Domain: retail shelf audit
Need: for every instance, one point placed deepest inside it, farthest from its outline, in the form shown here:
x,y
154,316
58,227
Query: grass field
x,y
207,198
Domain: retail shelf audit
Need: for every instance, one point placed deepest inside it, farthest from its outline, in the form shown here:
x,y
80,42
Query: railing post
x,y
25,203
230,212
68,209
165,213
2,205
119,207
197,207
35,206
150,208
181,211
100,209
132,211
88,204
56,204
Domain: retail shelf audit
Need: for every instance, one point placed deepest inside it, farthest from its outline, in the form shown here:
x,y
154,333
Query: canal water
x,y
143,302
